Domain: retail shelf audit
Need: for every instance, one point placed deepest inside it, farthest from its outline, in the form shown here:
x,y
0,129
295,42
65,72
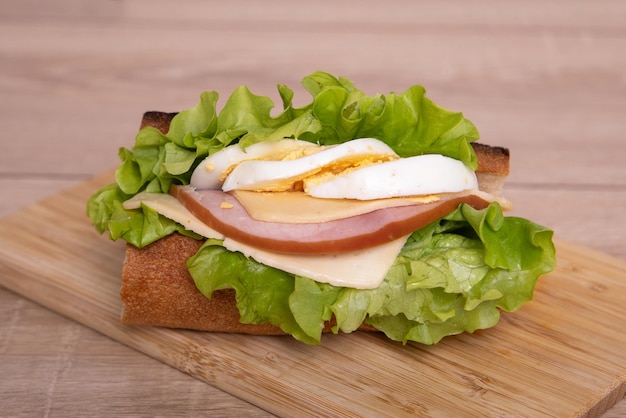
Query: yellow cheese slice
x,y
299,207
364,269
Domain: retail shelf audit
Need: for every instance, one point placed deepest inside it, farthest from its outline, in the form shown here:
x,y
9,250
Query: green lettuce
x,y
452,276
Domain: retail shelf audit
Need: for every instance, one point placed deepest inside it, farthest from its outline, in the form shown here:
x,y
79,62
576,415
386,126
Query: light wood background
x,y
546,79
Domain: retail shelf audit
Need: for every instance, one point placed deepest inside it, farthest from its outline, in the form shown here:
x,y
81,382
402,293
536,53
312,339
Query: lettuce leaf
x,y
410,123
139,227
452,276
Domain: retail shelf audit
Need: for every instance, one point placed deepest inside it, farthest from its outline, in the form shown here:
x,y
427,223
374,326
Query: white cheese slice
x,y
364,269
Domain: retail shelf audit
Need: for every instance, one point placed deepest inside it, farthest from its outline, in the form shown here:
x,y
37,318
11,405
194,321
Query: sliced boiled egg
x,y
265,175
212,171
412,176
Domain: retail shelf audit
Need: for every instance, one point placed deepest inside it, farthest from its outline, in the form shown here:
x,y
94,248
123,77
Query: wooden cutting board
x,y
563,354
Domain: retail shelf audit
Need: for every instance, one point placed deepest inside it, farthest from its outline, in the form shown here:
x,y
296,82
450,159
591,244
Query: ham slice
x,y
223,212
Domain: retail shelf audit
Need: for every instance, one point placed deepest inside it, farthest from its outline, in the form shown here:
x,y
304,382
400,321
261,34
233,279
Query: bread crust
x,y
156,119
158,290
493,160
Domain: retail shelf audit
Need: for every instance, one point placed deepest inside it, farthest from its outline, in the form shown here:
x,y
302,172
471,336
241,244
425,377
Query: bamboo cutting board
x,y
563,354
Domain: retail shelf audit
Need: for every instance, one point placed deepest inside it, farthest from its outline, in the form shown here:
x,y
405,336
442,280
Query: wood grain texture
x,y
545,79
560,355
63,389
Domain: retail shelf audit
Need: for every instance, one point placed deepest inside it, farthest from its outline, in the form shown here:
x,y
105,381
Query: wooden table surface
x,y
545,79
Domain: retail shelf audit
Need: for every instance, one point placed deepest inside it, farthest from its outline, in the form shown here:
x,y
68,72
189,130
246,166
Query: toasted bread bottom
x,y
157,290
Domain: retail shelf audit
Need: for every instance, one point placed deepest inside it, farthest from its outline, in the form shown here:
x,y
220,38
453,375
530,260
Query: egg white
x,y
211,172
266,175
412,176
361,169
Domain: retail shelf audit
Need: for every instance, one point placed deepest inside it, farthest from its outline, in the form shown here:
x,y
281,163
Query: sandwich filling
x,y
365,200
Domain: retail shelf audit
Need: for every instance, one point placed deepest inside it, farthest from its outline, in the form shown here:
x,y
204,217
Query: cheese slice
x,y
299,207
168,206
363,269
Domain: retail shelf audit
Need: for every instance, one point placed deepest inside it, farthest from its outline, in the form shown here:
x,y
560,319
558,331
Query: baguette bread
x,y
157,289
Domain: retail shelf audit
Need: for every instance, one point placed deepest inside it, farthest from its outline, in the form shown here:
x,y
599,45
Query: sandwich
x,y
355,212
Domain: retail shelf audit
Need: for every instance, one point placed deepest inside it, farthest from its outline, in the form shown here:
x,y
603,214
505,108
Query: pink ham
x,y
223,212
